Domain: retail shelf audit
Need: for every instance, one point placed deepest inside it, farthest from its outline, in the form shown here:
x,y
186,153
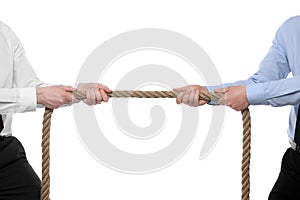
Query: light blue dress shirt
x,y
270,85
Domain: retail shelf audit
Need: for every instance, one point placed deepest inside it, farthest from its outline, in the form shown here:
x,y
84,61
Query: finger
x,y
179,98
69,98
98,97
88,97
221,90
202,102
181,89
240,107
191,98
93,96
196,98
104,96
49,105
55,107
105,88
234,107
222,100
226,101
185,98
73,99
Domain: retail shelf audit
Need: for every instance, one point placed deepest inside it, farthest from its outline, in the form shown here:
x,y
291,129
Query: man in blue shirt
x,y
268,86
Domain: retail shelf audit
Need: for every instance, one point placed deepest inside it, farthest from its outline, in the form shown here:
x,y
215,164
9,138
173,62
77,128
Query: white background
x,y
59,35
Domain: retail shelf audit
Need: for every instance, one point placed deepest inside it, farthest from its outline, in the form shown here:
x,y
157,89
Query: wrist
x,y
39,94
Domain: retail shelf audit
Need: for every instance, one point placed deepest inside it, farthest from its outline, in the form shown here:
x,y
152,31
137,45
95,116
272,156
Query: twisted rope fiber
x,y
80,95
45,193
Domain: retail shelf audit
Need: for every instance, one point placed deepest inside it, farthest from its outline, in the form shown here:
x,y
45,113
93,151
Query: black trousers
x,y
18,181
287,186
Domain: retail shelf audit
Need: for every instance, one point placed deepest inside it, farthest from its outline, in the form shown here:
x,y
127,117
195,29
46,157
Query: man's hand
x,y
190,95
54,96
95,93
234,96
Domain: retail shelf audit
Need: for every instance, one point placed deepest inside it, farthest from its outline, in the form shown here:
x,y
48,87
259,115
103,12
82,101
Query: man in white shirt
x,y
22,91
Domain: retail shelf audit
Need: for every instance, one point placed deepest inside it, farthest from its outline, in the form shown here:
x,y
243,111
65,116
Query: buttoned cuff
x,y
28,101
255,93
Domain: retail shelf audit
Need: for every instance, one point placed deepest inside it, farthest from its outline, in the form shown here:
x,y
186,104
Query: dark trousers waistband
x,y
4,137
17,178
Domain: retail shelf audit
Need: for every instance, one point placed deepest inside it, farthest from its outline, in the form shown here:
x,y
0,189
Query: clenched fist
x,y
234,97
190,95
54,96
95,93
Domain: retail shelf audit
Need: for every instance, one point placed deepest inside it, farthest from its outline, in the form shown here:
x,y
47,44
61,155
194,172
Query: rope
x,y
45,193
246,154
80,95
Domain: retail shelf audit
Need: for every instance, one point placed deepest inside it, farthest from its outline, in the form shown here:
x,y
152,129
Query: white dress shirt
x,y
18,80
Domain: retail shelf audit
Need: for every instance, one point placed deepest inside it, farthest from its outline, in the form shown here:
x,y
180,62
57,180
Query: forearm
x,y
275,93
16,100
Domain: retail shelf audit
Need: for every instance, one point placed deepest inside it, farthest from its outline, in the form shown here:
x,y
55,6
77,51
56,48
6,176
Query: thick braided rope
x,y
80,95
246,154
45,193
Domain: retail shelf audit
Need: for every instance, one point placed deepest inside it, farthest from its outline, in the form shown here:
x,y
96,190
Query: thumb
x,y
221,90
106,89
68,88
180,89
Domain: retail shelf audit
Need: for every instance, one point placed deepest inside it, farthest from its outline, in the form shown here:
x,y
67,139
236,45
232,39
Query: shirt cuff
x,y
255,93
28,99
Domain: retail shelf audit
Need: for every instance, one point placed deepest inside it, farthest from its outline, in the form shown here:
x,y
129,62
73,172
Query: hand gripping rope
x,y
80,95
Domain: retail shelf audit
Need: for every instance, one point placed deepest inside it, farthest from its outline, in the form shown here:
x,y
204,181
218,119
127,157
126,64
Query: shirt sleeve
x,y
275,93
22,96
269,85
